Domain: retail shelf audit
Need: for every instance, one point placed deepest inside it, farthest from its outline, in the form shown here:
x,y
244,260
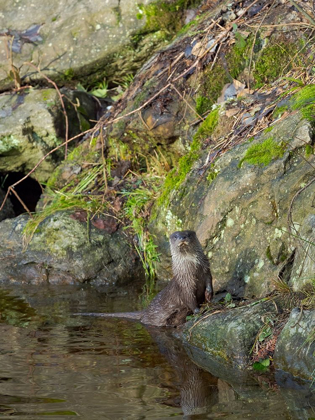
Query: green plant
x,y
203,104
206,128
270,64
101,89
304,100
262,365
68,198
263,153
136,209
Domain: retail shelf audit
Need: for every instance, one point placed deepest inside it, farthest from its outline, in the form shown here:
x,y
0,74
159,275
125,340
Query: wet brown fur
x,y
190,286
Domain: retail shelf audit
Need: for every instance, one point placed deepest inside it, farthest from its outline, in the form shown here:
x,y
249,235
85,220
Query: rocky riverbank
x,y
150,126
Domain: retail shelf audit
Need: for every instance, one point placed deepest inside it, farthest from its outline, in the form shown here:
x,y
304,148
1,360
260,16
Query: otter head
x,y
183,242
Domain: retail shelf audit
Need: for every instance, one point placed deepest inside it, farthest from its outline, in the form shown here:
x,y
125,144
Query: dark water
x,y
56,365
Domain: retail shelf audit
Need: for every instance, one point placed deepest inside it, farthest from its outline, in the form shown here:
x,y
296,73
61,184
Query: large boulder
x,y
228,336
79,40
32,123
65,250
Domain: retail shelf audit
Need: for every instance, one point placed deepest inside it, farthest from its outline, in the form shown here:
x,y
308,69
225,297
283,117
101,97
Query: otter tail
x,y
127,315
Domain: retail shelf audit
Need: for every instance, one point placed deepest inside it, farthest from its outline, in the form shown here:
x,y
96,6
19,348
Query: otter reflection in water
x,y
198,389
190,286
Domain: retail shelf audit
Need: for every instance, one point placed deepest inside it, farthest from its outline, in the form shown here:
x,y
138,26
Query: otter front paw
x,y
208,295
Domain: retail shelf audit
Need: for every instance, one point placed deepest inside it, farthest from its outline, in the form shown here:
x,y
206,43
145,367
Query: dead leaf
x,y
107,223
79,215
231,112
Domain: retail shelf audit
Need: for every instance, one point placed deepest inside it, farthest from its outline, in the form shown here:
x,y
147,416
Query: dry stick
x,y
21,201
145,124
61,101
172,65
39,162
281,24
215,57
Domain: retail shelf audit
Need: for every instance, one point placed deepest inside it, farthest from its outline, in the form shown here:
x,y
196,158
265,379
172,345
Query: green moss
x,y
186,27
268,129
46,94
75,154
163,16
263,153
175,177
69,74
304,100
268,255
53,179
309,150
208,126
237,57
9,143
222,73
117,12
214,83
118,150
269,66
203,105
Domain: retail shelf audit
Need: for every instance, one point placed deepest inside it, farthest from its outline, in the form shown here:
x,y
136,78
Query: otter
x,y
190,286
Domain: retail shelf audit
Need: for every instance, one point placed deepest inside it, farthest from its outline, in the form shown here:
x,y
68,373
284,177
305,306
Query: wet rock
x,y
297,393
295,349
228,336
63,251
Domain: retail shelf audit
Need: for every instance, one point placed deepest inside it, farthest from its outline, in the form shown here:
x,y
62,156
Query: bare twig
x,y
21,201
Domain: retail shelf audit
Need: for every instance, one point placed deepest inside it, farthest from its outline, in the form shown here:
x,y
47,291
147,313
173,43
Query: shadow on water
x,y
57,365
